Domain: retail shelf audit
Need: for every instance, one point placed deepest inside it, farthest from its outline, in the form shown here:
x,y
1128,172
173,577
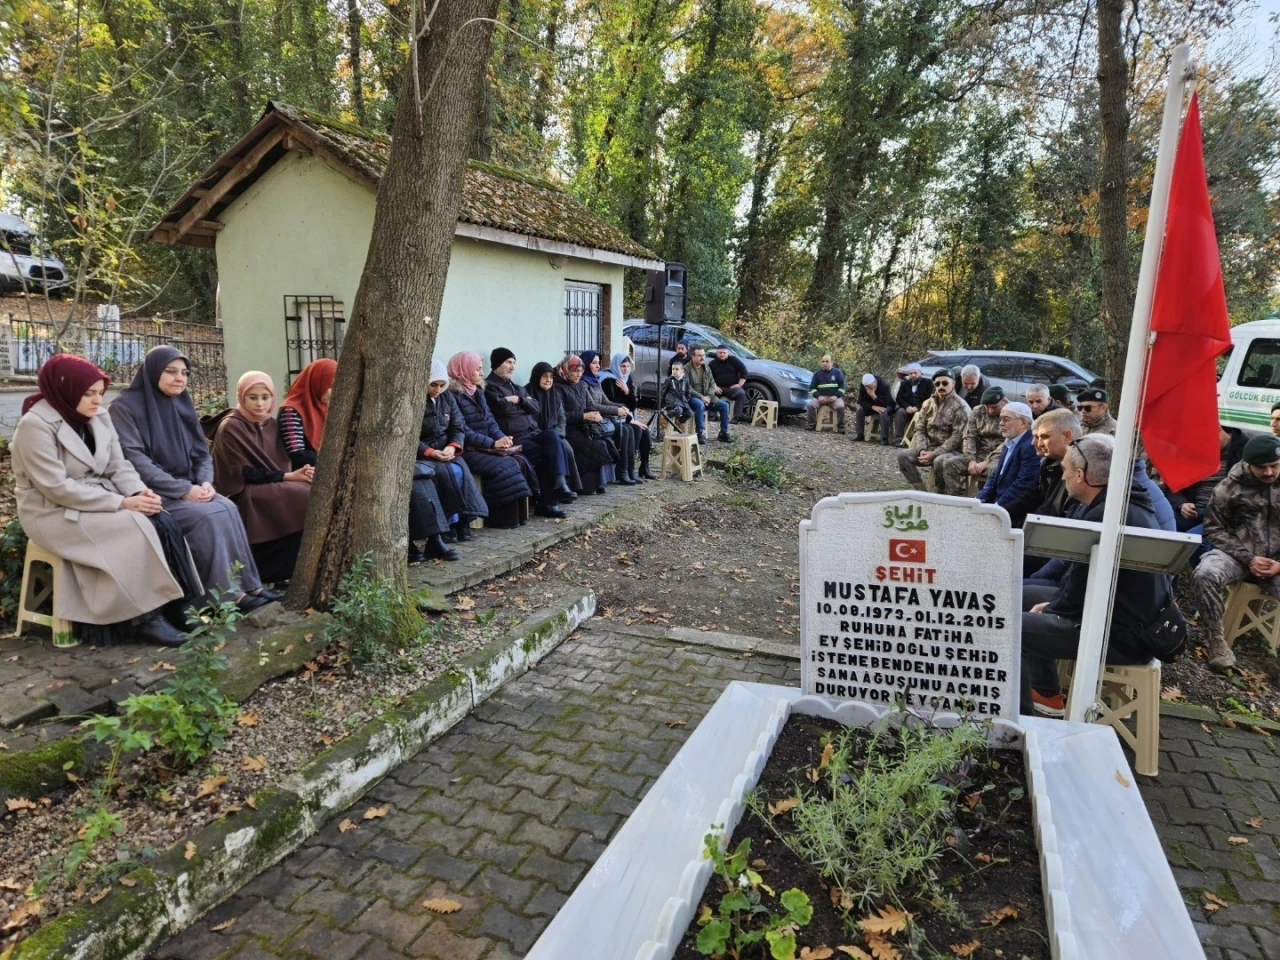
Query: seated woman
x,y
483,440
618,415
303,413
617,386
160,435
441,440
427,520
541,388
251,468
517,413
125,566
585,426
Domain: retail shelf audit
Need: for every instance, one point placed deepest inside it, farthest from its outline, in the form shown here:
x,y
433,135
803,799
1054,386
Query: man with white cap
x,y
826,389
913,391
875,396
1019,466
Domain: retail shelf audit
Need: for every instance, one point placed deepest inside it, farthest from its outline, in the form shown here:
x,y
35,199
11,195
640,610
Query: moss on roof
x,y
492,196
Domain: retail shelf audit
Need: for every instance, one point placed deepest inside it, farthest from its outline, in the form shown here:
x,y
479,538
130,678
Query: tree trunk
x,y
1113,194
354,25
360,500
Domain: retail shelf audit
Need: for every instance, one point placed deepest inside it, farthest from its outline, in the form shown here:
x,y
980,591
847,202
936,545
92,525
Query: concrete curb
x,y
173,892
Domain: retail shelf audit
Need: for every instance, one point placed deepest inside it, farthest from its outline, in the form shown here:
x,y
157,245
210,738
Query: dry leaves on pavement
x,y
442,905
374,813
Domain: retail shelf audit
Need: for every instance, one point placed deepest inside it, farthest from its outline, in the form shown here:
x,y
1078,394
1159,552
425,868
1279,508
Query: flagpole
x,y
1104,556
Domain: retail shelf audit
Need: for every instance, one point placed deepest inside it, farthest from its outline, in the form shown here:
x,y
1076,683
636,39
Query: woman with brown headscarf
x,y
251,468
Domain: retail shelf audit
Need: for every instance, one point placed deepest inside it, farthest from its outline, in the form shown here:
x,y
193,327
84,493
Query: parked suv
x,y
21,264
766,379
1012,370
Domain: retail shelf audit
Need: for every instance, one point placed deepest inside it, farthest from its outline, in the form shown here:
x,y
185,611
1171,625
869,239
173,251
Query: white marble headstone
x,y
912,595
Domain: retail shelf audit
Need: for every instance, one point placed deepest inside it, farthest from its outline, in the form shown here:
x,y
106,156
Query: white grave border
x,y
977,507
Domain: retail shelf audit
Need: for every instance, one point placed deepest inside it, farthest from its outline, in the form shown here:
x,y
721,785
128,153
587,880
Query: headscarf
x,y
169,427
252,379
439,372
462,367
548,400
615,369
62,381
587,376
304,396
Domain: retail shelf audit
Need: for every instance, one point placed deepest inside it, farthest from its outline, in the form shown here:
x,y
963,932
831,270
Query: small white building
x,y
289,212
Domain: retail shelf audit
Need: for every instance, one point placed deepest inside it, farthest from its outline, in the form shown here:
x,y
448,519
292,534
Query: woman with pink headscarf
x,y
506,477
253,471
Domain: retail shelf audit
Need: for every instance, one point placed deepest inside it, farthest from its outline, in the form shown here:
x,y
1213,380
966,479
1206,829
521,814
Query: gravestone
x,y
912,597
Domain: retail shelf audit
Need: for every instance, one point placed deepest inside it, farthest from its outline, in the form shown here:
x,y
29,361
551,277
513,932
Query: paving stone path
x,y
507,812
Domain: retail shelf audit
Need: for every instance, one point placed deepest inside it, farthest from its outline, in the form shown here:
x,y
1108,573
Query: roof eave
x,y
524,241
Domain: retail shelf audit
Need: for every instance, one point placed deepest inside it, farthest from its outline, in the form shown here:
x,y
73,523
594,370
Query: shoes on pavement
x,y
436,549
1049,706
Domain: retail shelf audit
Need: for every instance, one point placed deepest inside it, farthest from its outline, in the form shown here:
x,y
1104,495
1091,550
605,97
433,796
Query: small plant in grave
x,y
747,464
743,922
375,624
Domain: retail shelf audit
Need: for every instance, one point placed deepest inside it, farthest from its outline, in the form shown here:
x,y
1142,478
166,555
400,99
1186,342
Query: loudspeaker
x,y
664,294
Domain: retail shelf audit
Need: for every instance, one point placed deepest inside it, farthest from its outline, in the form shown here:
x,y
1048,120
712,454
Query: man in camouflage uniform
x,y
978,446
1095,414
939,430
1243,524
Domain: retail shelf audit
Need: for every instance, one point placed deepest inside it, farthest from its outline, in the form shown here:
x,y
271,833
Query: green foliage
x,y
13,552
888,811
742,920
748,464
375,623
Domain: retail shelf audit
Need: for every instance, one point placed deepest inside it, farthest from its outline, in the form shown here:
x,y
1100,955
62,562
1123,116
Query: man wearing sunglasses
x,y
940,430
1094,412
1243,524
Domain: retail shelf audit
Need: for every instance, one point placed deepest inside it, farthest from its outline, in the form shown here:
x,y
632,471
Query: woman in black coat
x,y
504,477
619,388
442,441
616,415
516,414
542,388
584,424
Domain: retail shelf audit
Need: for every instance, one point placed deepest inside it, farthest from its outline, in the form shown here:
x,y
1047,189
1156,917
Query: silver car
x,y
766,379
22,267
1012,370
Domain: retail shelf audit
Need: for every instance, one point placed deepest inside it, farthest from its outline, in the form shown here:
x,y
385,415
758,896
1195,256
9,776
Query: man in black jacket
x,y
1051,621
1190,506
875,398
913,391
972,385
731,375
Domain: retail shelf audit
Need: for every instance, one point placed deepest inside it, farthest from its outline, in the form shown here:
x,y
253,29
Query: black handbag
x,y
1166,635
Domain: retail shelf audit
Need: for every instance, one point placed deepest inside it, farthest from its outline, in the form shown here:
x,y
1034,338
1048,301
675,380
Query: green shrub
x,y
374,622
748,464
13,552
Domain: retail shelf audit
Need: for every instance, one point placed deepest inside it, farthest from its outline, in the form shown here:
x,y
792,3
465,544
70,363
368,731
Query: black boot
x,y
560,490
156,629
645,472
415,553
437,549
251,602
549,510
462,530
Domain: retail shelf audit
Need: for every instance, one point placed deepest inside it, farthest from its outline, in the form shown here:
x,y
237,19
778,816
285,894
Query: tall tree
x,y
1113,188
380,393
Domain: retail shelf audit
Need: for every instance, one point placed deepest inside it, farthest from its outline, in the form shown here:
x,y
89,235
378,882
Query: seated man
x,y
982,438
1275,419
875,396
826,389
1243,524
703,396
940,430
730,375
681,356
913,391
1051,623
1095,414
1191,505
1019,467
972,385
1060,397
1038,399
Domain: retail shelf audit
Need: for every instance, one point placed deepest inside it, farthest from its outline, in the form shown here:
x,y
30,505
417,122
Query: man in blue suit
x,y
1019,466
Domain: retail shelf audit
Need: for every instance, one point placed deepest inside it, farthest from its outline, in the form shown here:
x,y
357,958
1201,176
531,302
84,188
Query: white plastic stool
x,y
1250,608
36,589
766,414
681,452
1132,691
827,419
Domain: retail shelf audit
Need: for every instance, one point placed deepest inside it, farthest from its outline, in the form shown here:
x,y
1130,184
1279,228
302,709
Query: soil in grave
x,y
989,863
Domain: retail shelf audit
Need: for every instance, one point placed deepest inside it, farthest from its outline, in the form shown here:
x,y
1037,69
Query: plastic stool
x,y
766,414
682,454
1250,608
826,419
1132,691
36,589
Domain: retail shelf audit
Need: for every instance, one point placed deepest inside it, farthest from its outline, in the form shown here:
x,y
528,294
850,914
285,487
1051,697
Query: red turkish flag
x,y
1189,318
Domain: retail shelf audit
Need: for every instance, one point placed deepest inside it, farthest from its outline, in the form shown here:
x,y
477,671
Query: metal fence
x,y
118,348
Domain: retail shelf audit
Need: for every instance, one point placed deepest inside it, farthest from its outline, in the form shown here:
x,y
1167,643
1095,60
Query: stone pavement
x,y
507,811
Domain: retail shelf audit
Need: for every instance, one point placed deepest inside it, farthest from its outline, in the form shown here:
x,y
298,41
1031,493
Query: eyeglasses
x,y
1085,461
1088,407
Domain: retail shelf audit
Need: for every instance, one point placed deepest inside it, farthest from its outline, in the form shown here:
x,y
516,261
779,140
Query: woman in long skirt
x,y
441,440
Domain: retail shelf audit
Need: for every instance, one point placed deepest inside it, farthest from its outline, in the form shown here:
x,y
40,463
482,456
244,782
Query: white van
x,y
22,267
1249,381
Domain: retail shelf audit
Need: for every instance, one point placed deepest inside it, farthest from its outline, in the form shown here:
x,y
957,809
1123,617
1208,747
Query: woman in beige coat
x,y
125,565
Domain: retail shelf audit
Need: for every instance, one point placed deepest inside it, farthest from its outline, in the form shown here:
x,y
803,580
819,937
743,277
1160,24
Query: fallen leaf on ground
x,y
1228,722
162,665
189,851
856,952
14,804
21,915
464,603
128,882
1210,907
254,764
1215,899
1255,822
817,953
1237,841
99,896
1122,779
346,826
251,803
965,949
982,857
784,806
993,918
1260,732
308,637
828,752
225,925
813,775
133,661
676,723
881,948
247,719
442,905
375,813
10,885
886,920
1172,694
287,650
1205,728
209,786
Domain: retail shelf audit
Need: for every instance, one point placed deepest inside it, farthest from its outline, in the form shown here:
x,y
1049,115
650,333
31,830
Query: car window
x,y
1261,366
1222,360
1035,370
643,335
1002,368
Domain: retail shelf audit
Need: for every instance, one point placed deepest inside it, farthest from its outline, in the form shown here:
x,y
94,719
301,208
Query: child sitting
x,y
676,402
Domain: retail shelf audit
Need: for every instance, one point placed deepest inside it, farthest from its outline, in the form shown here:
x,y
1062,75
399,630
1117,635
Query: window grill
x,y
584,316
313,330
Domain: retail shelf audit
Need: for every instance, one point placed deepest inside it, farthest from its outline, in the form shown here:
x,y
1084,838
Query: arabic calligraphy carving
x,y
908,518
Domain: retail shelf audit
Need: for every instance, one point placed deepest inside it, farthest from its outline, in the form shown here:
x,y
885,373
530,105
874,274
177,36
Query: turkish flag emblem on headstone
x,y
907,551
